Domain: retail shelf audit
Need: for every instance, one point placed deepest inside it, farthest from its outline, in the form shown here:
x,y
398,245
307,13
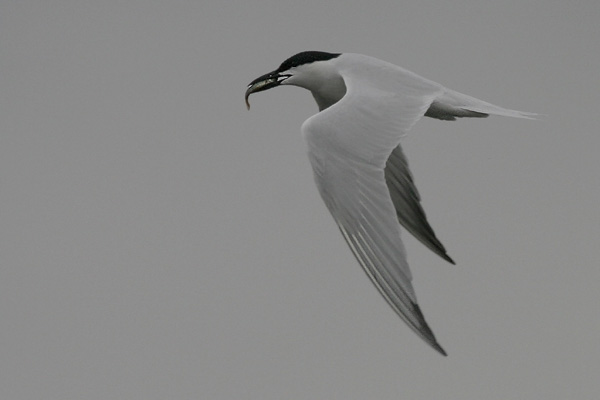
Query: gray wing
x,y
406,201
348,146
356,194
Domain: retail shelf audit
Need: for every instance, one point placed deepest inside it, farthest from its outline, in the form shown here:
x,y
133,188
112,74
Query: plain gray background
x,y
158,241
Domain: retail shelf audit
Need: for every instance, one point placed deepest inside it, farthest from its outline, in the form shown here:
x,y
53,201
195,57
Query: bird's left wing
x,y
349,144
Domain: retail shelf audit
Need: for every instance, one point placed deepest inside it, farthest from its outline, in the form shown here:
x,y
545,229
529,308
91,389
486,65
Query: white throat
x,y
323,80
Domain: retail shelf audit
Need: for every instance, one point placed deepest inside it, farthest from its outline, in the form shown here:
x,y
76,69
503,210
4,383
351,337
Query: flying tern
x,y
365,106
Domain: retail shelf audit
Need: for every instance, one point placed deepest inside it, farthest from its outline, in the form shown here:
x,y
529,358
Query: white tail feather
x,y
451,105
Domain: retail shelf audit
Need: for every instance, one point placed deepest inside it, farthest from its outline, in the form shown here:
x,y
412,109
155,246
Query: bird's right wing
x,y
407,203
349,144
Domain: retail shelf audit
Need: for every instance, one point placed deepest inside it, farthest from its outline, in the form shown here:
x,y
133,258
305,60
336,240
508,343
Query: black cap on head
x,y
306,57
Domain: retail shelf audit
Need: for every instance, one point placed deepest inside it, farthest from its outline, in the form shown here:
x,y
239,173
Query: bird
x,y
366,106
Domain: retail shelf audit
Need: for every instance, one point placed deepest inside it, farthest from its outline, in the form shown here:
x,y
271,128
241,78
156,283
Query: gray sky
x,y
158,241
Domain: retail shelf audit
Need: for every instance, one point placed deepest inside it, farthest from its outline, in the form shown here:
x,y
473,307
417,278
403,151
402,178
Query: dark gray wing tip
x,y
446,112
440,350
446,257
427,332
406,200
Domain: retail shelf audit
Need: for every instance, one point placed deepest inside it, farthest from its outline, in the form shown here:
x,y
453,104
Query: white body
x,y
366,105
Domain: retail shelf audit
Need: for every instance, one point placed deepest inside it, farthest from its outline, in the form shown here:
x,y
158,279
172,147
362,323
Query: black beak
x,y
264,82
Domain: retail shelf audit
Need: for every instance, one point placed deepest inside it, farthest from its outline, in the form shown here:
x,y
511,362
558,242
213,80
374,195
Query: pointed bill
x,y
264,82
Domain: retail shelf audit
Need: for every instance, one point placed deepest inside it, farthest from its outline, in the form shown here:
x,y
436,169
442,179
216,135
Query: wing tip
x,y
426,333
439,349
446,257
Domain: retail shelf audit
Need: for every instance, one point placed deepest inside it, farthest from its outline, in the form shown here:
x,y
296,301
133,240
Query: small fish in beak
x,y
264,82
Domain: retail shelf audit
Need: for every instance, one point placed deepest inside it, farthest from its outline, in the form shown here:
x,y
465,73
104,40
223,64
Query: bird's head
x,y
312,70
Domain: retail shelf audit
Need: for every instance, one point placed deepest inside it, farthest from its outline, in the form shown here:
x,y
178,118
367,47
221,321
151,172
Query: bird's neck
x,y
328,91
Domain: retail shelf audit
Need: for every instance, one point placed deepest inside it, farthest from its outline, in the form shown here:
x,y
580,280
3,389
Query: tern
x,y
365,106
